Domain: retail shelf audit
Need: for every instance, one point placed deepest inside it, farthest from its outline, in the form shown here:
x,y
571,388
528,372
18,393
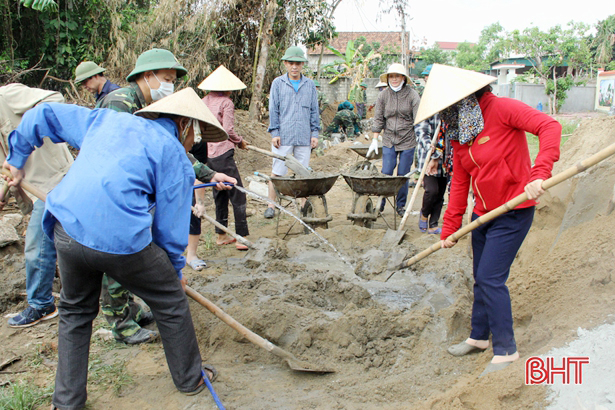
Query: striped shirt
x,y
293,115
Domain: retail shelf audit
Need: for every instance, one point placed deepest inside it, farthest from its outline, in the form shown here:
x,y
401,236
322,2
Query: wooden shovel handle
x,y
265,152
516,201
420,181
27,186
226,318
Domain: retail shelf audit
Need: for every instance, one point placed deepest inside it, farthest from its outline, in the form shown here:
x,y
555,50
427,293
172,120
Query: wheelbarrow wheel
x,y
314,209
364,205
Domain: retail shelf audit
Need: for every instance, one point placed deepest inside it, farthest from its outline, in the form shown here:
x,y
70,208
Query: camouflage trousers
x,y
339,121
120,309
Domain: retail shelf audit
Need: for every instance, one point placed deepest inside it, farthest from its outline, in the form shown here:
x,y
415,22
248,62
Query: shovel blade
x,y
391,238
302,366
296,166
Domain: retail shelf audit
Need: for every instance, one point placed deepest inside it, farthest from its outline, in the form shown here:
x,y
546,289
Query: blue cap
x,y
427,70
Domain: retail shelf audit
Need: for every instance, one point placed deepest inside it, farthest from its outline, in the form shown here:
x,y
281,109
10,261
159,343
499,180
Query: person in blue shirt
x,y
294,120
90,75
99,217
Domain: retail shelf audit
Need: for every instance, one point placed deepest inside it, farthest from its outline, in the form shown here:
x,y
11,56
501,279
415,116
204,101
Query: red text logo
x,y
547,370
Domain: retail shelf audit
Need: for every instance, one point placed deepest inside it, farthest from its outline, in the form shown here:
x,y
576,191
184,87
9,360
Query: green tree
x,y
435,55
604,41
352,64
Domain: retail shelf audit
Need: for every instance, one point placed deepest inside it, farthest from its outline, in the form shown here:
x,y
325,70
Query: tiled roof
x,y
449,45
385,38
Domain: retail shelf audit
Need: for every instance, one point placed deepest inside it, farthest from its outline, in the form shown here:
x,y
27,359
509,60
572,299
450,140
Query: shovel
x,y
291,162
218,225
291,360
510,205
393,237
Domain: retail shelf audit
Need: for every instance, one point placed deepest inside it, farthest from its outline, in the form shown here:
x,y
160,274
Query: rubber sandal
x,y
202,386
197,264
227,242
241,247
422,225
462,349
494,367
438,231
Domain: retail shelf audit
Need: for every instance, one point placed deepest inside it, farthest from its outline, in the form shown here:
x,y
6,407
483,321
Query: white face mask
x,y
396,89
164,90
197,131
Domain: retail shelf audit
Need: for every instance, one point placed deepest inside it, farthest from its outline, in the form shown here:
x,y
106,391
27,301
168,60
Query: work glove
x,y
373,147
198,210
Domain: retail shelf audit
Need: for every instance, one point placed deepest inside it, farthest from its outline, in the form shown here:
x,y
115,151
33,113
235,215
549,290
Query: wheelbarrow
x,y
361,150
314,212
363,213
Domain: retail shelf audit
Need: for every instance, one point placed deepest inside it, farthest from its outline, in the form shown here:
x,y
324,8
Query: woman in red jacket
x,y
491,157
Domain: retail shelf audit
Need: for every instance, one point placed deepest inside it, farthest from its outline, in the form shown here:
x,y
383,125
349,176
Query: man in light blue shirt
x,y
294,119
99,218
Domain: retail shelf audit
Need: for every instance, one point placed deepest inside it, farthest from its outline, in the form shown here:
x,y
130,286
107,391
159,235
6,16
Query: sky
x,y
463,20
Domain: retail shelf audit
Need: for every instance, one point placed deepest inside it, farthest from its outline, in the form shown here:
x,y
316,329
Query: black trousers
x,y
433,198
225,163
148,274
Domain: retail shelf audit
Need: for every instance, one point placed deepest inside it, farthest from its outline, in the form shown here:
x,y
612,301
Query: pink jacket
x,y
224,110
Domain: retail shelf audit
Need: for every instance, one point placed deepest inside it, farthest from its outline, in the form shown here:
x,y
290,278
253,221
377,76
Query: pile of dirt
x,y
387,340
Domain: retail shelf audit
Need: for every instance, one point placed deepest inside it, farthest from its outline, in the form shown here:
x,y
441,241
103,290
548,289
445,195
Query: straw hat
x,y
186,103
380,84
395,68
222,80
446,86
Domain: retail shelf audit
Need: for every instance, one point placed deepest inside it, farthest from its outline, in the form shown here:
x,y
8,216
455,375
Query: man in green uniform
x,y
322,98
152,79
346,119
360,99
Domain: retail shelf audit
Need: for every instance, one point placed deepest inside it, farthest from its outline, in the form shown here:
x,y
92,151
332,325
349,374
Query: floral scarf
x,y
464,120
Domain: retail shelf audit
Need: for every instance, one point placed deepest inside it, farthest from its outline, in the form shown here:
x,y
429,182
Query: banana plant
x,y
353,64
40,5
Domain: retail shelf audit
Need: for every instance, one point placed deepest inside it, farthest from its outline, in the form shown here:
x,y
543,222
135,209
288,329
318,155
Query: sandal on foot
x,y
462,349
422,225
494,367
197,264
436,231
226,242
201,386
241,247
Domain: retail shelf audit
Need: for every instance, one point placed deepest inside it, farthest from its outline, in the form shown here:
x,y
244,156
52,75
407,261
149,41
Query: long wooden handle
x,y
226,318
265,152
27,186
420,181
228,231
516,201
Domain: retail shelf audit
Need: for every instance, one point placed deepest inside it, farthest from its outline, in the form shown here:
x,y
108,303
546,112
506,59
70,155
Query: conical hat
x,y
222,80
186,103
446,86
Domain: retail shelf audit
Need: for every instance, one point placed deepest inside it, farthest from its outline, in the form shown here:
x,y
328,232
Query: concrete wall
x,y
580,99
340,89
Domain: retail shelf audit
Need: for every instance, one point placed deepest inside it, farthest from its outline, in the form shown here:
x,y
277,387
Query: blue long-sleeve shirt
x,y
125,163
293,115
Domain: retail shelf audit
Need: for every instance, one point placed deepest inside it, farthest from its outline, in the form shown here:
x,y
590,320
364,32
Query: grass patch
x,y
24,396
568,127
112,376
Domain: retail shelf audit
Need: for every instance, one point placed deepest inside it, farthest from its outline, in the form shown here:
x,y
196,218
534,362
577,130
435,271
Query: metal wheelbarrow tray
x,y
304,187
383,185
362,151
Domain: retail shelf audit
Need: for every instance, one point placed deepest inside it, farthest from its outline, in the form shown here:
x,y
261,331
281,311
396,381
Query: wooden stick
x,y
27,186
228,231
420,181
510,205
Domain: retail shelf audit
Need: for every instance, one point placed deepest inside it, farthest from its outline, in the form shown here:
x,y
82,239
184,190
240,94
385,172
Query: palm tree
x,y
604,40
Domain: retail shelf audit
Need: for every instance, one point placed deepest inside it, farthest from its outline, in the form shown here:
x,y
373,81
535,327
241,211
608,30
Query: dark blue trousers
x,y
389,162
495,245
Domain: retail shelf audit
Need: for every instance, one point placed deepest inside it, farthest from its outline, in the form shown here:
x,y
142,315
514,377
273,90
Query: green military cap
x,y
363,84
156,59
86,70
294,54
316,83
